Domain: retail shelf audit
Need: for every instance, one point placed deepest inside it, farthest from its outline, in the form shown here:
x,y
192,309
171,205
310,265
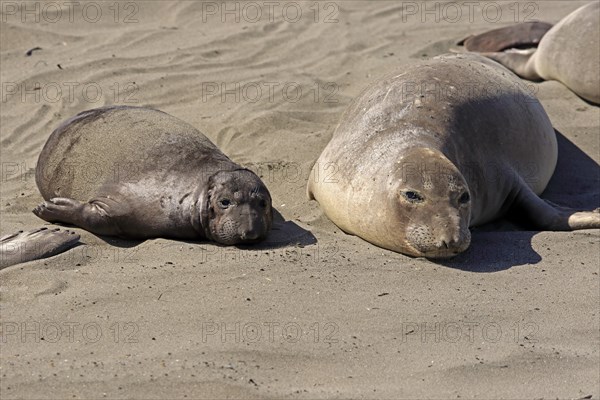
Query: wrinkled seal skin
x,y
422,154
136,172
568,53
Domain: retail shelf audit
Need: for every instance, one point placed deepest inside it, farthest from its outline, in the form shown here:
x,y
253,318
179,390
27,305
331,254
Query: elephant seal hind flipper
x,y
42,242
548,216
569,53
526,34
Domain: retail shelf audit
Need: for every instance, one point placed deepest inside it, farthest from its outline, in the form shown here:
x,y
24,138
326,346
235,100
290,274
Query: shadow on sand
x,y
283,234
503,244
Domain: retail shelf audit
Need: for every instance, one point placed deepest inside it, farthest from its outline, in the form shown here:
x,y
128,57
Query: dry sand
x,y
312,313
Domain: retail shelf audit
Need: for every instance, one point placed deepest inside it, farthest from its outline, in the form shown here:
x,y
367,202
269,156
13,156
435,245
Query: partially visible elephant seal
x,y
526,34
42,242
140,173
422,154
569,52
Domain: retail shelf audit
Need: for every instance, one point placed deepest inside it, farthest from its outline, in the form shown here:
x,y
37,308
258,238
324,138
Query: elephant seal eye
x,y
413,197
464,198
263,204
224,203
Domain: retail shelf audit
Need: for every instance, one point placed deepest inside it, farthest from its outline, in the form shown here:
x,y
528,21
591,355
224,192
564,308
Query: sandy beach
x,y
311,312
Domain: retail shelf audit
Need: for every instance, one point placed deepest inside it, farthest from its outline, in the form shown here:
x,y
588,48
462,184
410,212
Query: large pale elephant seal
x,y
140,173
421,155
569,52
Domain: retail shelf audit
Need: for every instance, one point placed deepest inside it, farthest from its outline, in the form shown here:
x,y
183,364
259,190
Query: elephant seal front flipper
x,y
43,242
90,216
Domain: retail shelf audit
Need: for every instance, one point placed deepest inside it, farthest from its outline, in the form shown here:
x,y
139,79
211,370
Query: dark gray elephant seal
x,y
421,155
140,173
42,242
569,52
